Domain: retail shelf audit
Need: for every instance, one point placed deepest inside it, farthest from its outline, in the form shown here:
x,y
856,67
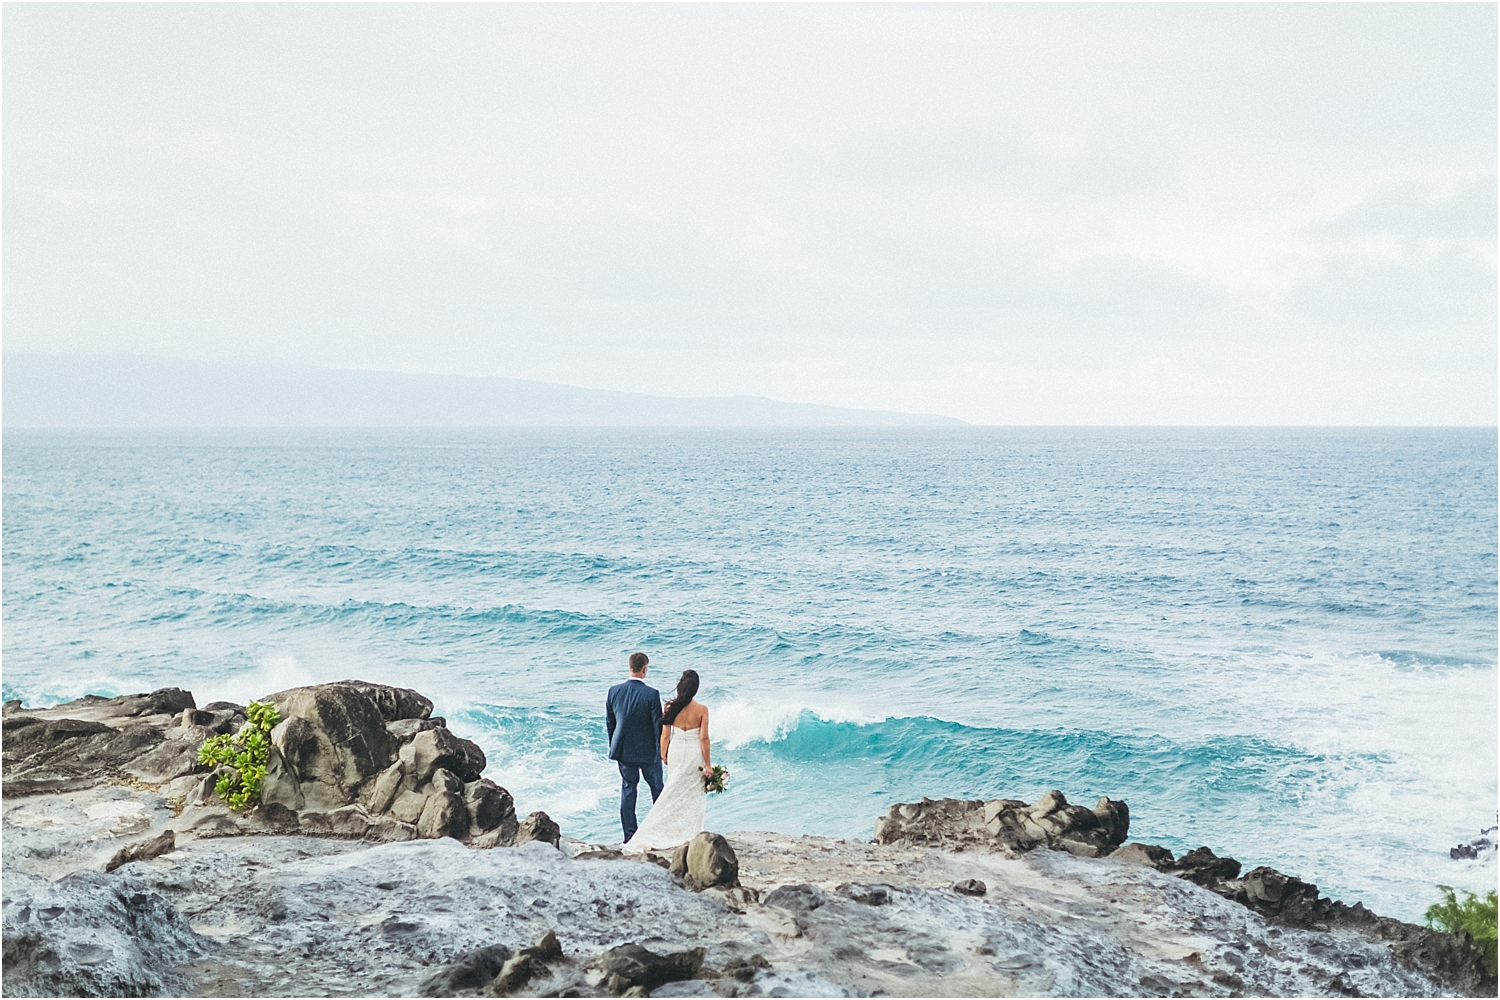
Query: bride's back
x,y
691,717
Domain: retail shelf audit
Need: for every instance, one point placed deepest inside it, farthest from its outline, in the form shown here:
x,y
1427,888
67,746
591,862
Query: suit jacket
x,y
632,715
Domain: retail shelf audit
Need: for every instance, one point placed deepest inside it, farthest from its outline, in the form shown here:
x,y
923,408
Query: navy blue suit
x,y
632,716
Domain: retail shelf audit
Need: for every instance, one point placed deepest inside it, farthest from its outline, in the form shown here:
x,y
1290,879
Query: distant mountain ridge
x,y
51,390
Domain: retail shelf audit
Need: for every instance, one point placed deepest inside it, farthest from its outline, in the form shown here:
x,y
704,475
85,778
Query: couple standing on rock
x,y
641,735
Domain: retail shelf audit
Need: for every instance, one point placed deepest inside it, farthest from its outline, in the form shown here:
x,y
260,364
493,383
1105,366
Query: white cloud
x,y
1007,213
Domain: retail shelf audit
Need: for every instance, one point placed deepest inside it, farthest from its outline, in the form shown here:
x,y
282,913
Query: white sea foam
x,y
740,721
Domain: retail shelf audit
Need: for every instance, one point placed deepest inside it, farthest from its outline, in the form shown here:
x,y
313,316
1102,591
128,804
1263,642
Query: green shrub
x,y
1476,915
247,752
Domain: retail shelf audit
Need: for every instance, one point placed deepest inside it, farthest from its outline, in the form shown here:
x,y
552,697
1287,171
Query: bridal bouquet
x,y
715,778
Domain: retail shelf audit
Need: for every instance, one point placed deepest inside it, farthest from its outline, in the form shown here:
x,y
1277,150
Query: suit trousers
x,y
630,776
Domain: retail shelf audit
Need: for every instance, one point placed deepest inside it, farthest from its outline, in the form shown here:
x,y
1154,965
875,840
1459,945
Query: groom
x,y
632,714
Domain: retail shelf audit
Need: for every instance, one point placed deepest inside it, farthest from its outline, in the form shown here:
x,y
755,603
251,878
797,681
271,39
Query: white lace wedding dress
x,y
677,815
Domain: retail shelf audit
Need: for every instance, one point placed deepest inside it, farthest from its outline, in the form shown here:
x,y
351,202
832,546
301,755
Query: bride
x,y
677,815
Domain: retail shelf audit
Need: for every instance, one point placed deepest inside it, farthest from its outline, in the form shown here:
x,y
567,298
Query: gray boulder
x,y
444,814
710,862
350,760
393,703
281,786
343,744
491,808
538,826
437,748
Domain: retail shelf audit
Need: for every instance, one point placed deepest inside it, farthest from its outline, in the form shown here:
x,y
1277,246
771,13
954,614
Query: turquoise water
x,y
1277,643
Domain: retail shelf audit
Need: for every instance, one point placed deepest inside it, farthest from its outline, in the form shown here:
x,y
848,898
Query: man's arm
x,y
609,716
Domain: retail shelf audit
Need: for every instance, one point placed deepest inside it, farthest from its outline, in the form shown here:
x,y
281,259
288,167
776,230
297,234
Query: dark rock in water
x,y
1203,867
526,965
1144,854
630,966
971,887
711,862
472,971
1476,848
538,826
143,850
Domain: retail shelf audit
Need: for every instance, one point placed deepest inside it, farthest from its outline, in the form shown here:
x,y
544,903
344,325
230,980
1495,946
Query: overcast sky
x,y
1007,214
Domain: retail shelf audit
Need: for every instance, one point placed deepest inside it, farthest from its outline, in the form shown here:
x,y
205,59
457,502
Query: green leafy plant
x,y
247,753
1475,915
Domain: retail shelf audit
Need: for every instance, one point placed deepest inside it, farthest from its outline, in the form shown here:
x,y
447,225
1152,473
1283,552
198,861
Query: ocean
x,y
1278,643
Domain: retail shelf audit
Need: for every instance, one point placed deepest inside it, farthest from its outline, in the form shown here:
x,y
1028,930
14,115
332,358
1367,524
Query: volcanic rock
x,y
526,965
1008,823
333,736
710,862
143,850
1202,867
435,748
444,814
1144,854
490,808
538,826
472,971
629,966
96,740
91,934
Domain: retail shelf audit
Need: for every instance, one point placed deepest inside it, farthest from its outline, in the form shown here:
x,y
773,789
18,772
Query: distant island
x,y
47,390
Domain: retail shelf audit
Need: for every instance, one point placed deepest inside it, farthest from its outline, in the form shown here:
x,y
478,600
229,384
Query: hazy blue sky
x,y
1008,214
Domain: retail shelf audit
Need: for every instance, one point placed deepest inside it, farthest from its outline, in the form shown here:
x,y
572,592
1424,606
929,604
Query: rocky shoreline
x,y
380,861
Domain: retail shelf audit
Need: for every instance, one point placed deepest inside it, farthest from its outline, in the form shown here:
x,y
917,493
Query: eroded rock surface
x,y
1048,822
197,908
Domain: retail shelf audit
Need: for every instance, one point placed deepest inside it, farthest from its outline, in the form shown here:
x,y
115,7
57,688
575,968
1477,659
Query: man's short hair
x,y
638,662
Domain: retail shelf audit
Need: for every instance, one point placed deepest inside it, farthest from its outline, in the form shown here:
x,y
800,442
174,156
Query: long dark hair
x,y
687,686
